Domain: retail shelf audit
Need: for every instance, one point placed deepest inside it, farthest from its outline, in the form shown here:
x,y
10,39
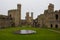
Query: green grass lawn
x,y
56,29
42,34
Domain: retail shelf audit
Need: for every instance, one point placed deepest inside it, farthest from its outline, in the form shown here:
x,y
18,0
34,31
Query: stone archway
x,y
51,25
56,26
56,16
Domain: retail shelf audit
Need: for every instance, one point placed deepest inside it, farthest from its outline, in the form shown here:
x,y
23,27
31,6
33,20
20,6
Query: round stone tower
x,y
19,13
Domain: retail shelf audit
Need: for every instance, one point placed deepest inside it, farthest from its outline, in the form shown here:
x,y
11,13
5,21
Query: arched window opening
x,y
56,26
56,17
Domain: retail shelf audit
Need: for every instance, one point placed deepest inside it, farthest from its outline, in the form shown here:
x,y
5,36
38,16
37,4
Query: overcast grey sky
x,y
36,6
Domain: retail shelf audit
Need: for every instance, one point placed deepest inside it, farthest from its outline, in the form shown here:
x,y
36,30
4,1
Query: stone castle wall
x,y
50,18
16,15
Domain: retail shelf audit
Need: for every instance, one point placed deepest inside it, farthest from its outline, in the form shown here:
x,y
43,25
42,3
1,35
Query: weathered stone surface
x,y
50,18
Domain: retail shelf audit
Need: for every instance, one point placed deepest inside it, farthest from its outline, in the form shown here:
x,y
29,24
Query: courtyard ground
x,y
42,34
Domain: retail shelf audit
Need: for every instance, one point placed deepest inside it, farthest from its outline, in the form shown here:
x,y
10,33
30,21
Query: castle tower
x,y
32,15
16,15
19,13
31,18
27,16
19,9
50,8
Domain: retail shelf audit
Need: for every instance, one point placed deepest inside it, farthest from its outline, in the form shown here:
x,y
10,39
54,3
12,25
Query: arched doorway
x,y
51,25
56,26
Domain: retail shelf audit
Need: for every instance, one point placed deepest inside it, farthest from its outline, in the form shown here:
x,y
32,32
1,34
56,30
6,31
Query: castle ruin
x,y
49,19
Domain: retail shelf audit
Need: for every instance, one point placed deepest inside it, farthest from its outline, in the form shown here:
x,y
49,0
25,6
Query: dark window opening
x,y
56,17
56,26
51,25
13,24
10,16
3,18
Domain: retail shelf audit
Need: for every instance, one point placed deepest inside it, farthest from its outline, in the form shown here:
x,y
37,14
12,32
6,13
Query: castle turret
x,y
27,16
19,9
50,8
19,6
19,12
32,15
31,18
